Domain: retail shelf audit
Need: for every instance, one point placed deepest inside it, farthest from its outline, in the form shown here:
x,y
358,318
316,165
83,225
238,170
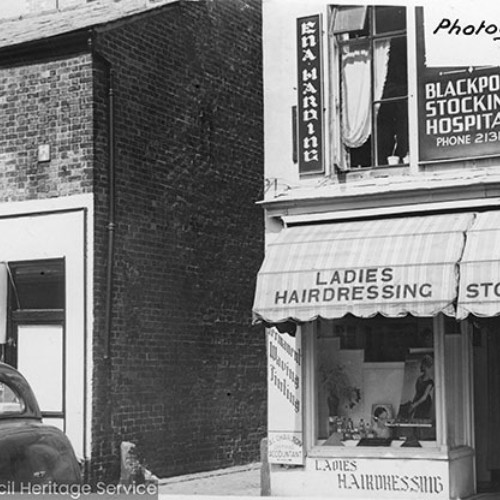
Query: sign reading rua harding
x,y
310,98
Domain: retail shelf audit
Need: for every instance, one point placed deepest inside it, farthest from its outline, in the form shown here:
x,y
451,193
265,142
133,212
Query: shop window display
x,y
376,382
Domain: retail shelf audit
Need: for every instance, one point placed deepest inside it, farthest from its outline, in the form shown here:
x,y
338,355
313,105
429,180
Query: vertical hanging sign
x,y
284,398
310,95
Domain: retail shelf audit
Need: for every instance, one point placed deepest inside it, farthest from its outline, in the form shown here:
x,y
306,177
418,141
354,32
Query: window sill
x,y
365,173
376,168
389,452
384,452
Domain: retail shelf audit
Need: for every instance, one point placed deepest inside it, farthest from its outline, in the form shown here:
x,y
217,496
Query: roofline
x,y
58,45
70,42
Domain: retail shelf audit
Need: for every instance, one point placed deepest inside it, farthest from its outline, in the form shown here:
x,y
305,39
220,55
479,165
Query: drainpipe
x,y
111,199
111,221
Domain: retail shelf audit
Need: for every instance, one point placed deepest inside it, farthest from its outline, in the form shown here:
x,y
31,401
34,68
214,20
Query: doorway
x,y
486,348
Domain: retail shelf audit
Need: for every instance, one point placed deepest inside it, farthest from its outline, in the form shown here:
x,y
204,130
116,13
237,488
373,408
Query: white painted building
x,y
381,282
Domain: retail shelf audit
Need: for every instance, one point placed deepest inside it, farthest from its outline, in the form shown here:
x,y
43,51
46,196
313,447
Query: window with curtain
x,y
372,89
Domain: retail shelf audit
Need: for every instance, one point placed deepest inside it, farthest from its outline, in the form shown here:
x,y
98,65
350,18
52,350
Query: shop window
x,y
376,382
369,86
457,369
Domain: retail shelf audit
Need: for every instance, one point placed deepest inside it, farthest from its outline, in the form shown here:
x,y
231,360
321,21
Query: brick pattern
x,y
187,375
186,380
46,103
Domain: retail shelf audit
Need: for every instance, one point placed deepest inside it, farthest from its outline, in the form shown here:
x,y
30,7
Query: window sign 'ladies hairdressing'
x,y
310,98
357,286
367,478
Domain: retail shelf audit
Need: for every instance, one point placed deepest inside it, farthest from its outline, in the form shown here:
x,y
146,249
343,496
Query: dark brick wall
x,y
46,103
186,377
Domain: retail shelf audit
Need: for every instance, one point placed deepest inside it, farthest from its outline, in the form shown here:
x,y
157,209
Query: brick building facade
x,y
137,127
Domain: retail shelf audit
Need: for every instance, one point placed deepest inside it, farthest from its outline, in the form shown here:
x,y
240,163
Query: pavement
x,y
242,482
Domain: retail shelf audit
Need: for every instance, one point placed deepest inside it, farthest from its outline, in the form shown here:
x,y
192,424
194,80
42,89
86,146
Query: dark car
x,y
31,452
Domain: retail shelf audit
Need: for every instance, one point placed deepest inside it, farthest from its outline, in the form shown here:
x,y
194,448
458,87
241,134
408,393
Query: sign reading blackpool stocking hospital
x,y
460,114
459,107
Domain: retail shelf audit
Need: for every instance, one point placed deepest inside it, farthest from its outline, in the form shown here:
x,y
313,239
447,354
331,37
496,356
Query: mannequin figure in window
x,y
380,419
421,405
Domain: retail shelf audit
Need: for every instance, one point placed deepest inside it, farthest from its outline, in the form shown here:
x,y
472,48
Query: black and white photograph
x,y
250,248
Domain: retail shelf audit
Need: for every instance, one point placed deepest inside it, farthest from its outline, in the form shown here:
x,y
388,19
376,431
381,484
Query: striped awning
x,y
479,291
392,267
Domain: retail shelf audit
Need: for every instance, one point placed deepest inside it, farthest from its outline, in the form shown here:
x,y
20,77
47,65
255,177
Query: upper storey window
x,y
371,89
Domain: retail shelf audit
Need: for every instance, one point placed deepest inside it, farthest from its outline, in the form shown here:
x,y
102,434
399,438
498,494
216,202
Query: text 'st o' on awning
x,y
479,292
392,266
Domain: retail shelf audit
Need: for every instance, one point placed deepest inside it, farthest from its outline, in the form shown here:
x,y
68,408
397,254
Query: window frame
x,y
340,154
314,449
19,315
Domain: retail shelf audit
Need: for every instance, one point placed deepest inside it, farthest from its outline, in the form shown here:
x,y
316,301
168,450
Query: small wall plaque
x,y
44,152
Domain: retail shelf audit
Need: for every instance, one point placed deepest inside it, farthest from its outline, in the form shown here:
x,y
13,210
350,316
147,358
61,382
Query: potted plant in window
x,y
340,392
393,159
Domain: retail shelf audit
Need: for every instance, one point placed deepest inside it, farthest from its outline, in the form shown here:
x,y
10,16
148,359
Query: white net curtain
x,y
356,77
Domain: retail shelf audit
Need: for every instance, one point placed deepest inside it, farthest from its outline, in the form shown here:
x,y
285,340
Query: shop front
x,y
381,341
